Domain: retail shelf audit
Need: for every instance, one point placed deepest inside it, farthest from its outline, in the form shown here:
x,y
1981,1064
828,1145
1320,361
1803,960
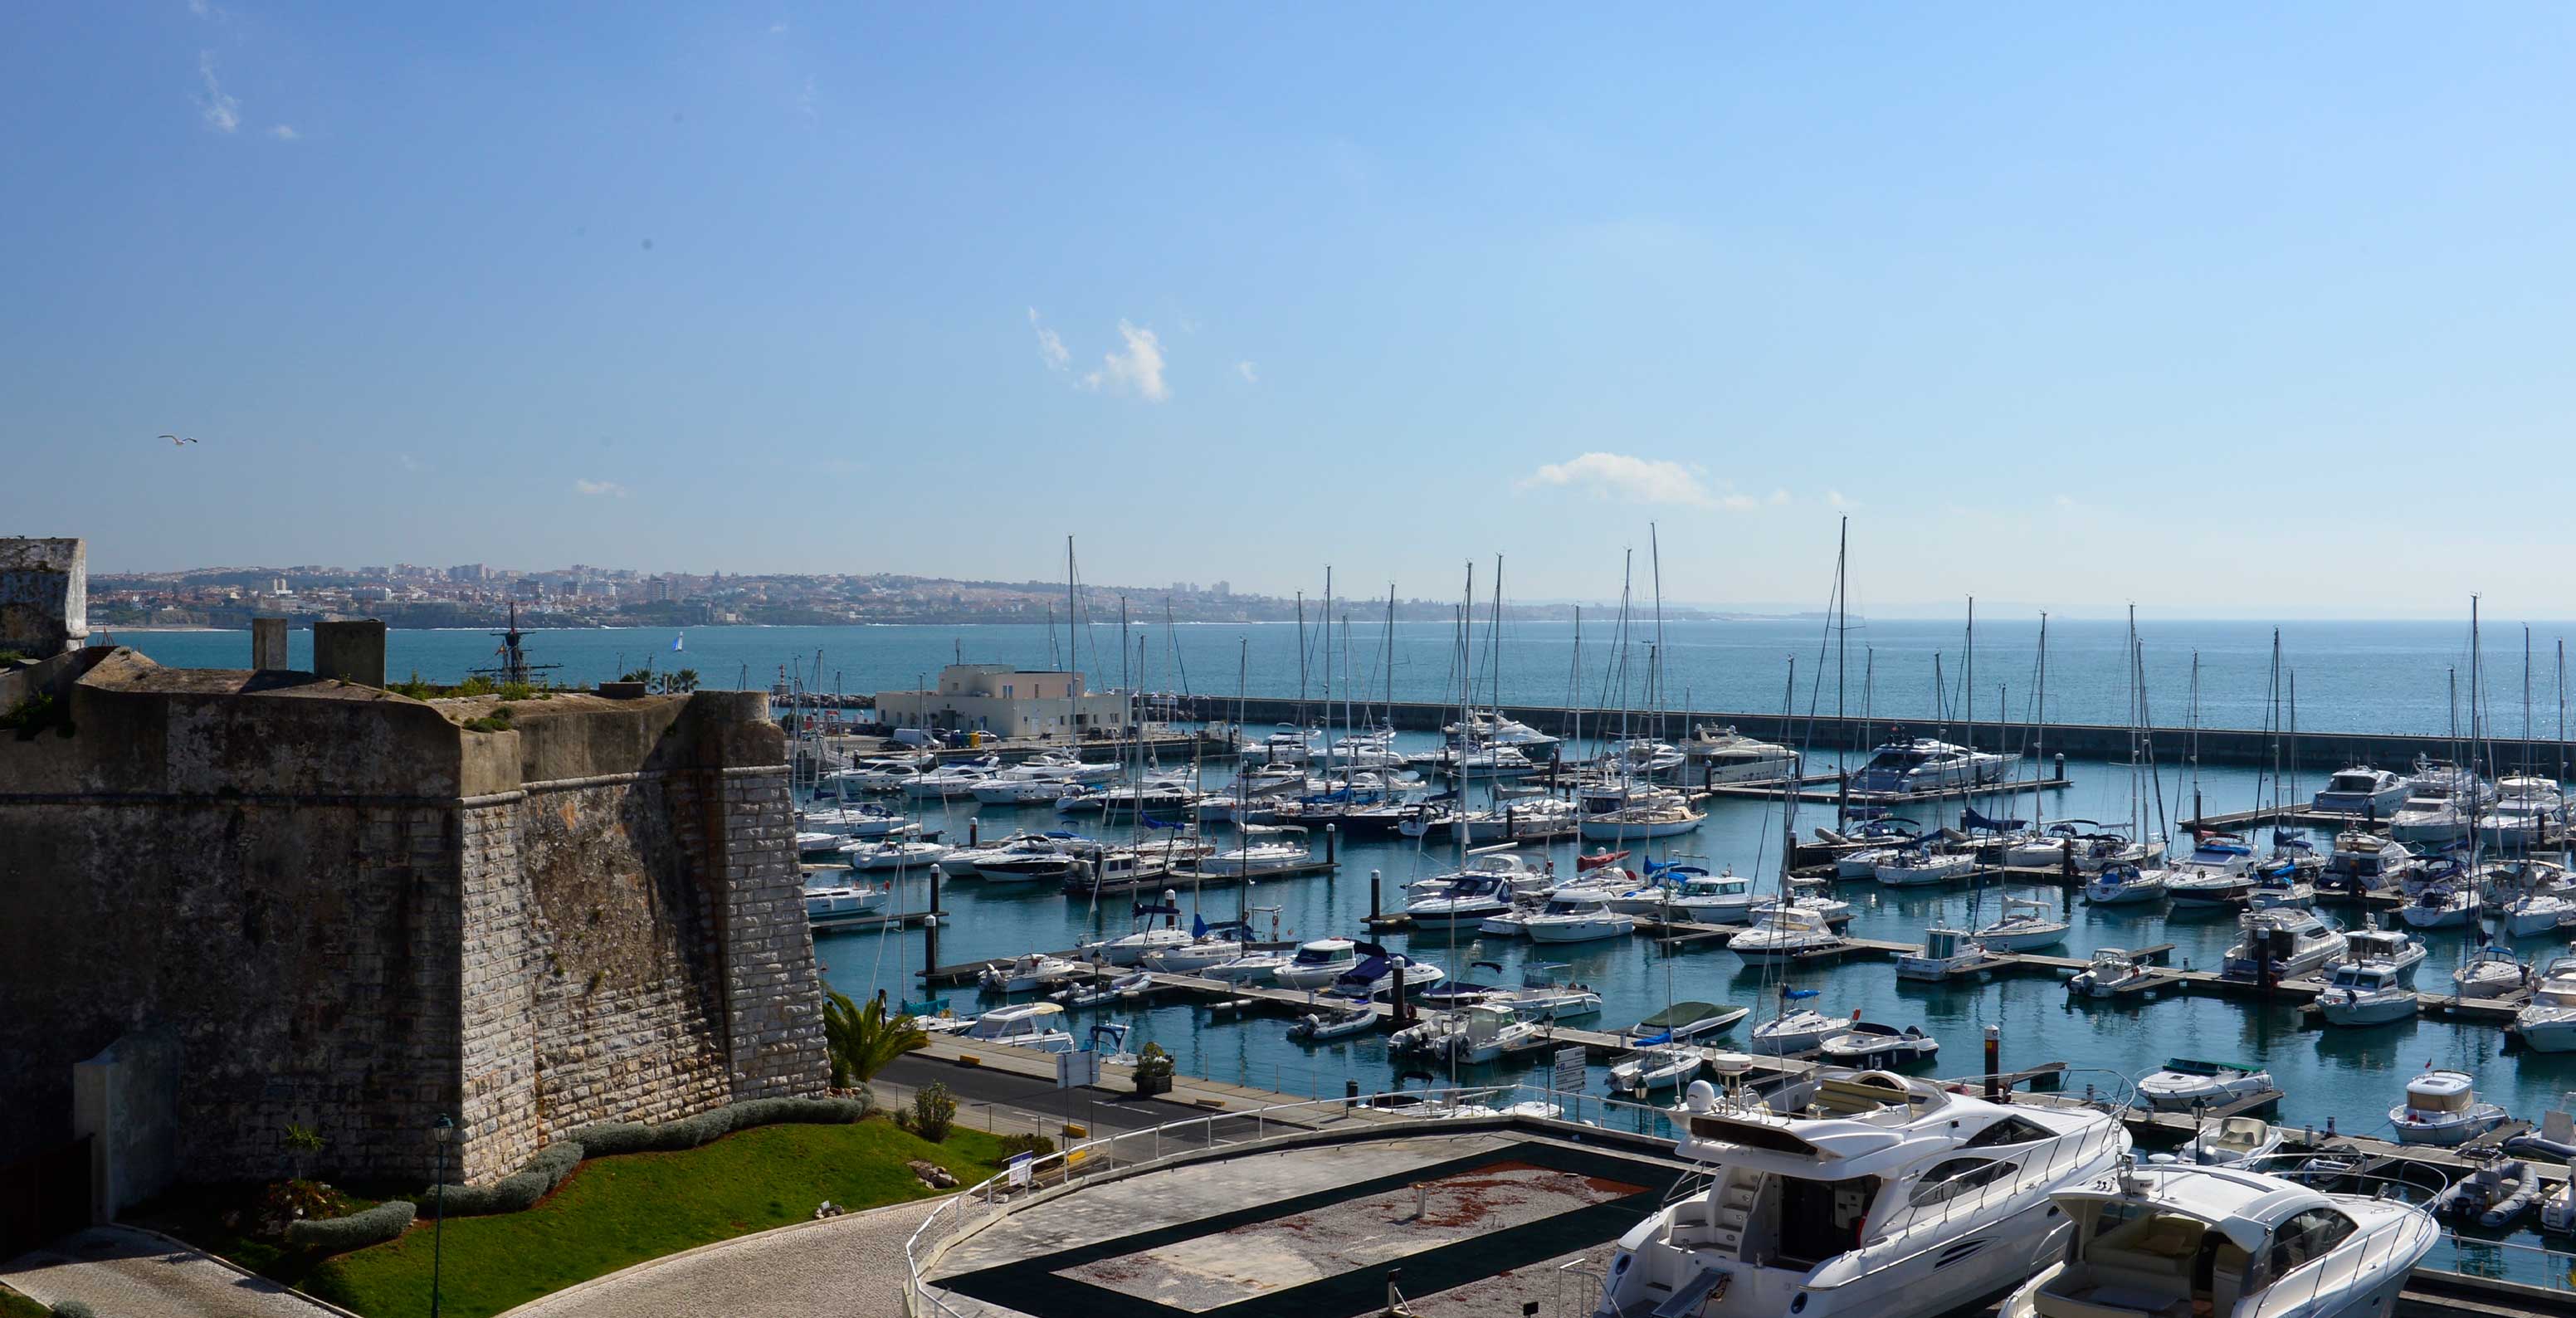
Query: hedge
x,y
523,1188
73,1309
336,1235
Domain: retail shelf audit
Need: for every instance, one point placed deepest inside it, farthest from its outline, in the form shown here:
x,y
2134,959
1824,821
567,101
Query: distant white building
x,y
1003,700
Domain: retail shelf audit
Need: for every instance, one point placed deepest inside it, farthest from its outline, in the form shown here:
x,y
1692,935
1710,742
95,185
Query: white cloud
x,y
1778,498
1639,480
1250,376
776,29
1050,344
600,489
805,100
406,462
284,132
221,113
1139,368
1834,498
1739,503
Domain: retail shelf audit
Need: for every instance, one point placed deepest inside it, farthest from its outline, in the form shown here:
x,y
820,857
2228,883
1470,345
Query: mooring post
x,y
974,831
1332,834
1373,884
1994,1063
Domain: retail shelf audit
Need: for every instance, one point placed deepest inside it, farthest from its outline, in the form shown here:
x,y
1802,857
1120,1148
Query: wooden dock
x,y
1806,794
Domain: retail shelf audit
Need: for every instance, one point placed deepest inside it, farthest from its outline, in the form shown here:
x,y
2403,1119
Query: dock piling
x,y
1373,887
1994,1063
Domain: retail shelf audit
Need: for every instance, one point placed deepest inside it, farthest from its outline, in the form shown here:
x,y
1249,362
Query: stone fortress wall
x,y
356,915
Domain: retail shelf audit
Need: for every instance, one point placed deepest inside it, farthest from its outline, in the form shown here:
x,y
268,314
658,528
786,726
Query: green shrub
x,y
933,1112
517,691
339,1235
1014,1145
73,1309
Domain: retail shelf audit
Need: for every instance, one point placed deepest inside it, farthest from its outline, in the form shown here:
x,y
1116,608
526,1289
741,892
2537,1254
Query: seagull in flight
x,y
175,441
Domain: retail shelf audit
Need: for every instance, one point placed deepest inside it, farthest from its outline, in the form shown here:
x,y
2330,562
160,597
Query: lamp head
x,y
445,1130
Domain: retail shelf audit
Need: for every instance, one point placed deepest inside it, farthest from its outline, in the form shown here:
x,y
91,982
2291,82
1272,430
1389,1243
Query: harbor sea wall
x,y
2309,751
357,915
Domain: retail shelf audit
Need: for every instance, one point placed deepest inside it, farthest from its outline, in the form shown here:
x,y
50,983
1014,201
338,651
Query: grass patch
x,y
14,1305
615,1212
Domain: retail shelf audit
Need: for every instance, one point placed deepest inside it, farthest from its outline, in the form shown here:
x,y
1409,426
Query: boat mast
x,y
2039,740
1328,672
1655,663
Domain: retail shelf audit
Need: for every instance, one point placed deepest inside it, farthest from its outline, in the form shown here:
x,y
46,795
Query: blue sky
x,y
2222,312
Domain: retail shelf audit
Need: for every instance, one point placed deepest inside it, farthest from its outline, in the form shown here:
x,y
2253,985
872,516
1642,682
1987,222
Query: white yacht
x,y
2548,1023
830,905
1717,756
2285,942
2183,1082
2125,885
952,779
1876,1196
1376,974
2365,993
2235,1140
2226,1242
2365,862
2443,906
2111,972
2397,949
1317,963
2442,1109
1493,727
1026,974
2527,813
1926,864
1294,746
1870,1044
1038,1025
2439,806
894,854
1577,920
1919,764
1660,813
1945,952
1657,1066
1208,945
866,819
2362,790
1265,850
1696,896
1783,935
2533,914
2214,874
2025,926
1641,757
2490,972
971,860
1468,899
1794,1033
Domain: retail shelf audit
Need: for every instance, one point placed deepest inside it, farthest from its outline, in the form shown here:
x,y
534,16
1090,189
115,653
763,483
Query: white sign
x,y
1569,1070
1077,1068
1021,1166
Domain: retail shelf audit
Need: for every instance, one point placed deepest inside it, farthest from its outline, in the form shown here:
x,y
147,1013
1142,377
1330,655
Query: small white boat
x,y
1466,899
2499,1191
1868,1044
2184,1081
2026,926
2536,913
1682,1022
1784,934
2283,942
1027,974
894,855
2365,993
1038,1025
1664,814
1209,945
2442,1110
2547,1024
1506,924
1691,895
2215,874
1945,952
832,904
1318,1026
1921,866
2442,906
2138,1230
1492,1032
2125,885
2394,948
2111,972
1577,920
1662,1066
1376,974
1794,1033
2237,1139
2490,972
1317,963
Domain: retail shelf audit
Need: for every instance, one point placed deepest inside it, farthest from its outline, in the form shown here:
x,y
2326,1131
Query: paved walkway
x,y
124,1273
849,1267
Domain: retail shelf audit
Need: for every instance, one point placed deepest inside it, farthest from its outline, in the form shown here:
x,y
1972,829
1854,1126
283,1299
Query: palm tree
x,y
862,1040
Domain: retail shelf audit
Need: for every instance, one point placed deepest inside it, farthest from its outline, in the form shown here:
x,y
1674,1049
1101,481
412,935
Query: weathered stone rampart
x,y
358,915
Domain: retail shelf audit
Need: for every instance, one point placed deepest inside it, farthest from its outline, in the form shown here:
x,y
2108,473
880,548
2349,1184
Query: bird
x,y
175,441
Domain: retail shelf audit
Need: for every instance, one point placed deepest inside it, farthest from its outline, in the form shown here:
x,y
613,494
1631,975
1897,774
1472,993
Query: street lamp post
x,y
445,1131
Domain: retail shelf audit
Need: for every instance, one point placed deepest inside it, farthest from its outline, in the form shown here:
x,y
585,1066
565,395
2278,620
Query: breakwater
x,y
2308,752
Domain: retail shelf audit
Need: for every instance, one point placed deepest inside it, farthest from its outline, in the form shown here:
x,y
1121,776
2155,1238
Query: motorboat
x,y
1028,974
2536,913
951,780
1318,962
2442,1110
2365,993
1513,923
2547,1024
1866,1194
1522,875
1814,896
2214,874
1037,1025
1662,814
1660,1066
1123,867
1870,1044
2226,1242
1294,746
1470,899
1492,727
1717,756
2362,790
1873,841
2490,972
1209,945
894,854
2125,885
2430,814
2528,811
1576,920
2184,1081
2442,906
1482,762
1257,856
1945,952
819,846
1642,757
1104,992
2495,1193
1342,1023
971,860
2236,1140
1542,997
1782,935
1696,896
2111,972
1682,1022
2025,926
830,905
1924,863
1796,1033
2282,943
865,819
2090,851
1378,974
1905,765
2363,862
1130,948
2396,949
1482,1033
2281,884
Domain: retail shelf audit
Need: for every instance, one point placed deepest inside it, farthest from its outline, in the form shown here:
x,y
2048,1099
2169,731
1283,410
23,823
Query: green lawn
x,y
614,1212
14,1305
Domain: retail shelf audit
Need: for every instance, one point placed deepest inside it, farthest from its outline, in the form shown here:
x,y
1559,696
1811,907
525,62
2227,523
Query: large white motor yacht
x,y
2362,790
1919,764
2548,1023
1723,755
2227,1242
2283,940
1877,1196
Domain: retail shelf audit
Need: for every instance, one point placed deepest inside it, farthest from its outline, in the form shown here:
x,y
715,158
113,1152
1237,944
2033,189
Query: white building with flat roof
x,y
1008,702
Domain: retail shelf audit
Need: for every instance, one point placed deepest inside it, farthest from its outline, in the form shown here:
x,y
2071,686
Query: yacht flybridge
x,y
1878,1196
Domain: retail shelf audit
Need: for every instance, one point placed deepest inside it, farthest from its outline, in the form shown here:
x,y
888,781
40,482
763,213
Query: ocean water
x,y
2350,676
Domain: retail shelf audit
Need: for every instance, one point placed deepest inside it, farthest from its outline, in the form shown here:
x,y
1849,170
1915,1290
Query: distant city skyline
x,y
2229,313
